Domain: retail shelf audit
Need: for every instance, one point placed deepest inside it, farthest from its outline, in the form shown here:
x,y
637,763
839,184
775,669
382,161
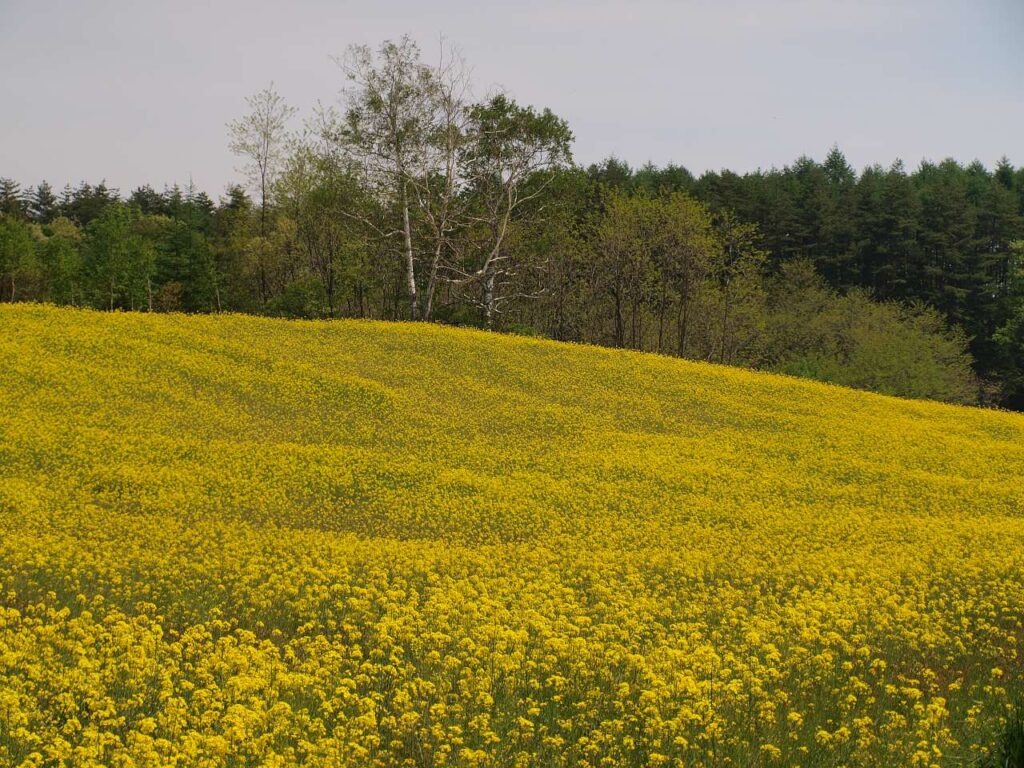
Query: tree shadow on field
x,y
1009,752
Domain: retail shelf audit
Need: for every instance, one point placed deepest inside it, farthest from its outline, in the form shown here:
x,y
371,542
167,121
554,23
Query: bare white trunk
x,y
432,283
410,264
489,300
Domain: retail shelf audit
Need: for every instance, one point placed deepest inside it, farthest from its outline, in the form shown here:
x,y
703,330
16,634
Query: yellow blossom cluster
x,y
231,541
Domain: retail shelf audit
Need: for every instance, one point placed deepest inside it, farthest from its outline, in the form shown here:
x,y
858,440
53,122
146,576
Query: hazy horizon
x,y
141,94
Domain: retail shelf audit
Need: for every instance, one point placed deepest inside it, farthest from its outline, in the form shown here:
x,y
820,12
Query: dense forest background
x,y
411,200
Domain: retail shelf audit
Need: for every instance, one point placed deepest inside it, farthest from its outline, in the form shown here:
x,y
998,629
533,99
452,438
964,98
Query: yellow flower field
x,y
231,541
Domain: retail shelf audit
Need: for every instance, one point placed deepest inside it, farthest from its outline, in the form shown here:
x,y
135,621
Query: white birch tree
x,y
261,137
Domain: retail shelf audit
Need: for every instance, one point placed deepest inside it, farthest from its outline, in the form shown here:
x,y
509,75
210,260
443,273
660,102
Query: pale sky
x,y
140,92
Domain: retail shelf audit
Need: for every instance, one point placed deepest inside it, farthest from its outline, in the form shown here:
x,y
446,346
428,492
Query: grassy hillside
x,y
237,541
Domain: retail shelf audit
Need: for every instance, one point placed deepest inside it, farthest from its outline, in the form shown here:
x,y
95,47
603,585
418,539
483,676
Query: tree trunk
x,y
620,330
263,281
329,284
489,301
432,283
682,325
725,327
410,264
632,323
263,205
661,317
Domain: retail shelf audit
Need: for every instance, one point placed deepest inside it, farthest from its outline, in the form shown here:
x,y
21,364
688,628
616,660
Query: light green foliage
x,y
17,256
854,341
118,259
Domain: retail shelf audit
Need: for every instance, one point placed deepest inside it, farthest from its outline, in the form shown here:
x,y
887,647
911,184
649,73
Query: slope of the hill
x,y
237,541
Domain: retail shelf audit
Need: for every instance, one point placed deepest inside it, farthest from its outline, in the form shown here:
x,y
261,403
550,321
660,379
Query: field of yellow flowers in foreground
x,y
231,541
